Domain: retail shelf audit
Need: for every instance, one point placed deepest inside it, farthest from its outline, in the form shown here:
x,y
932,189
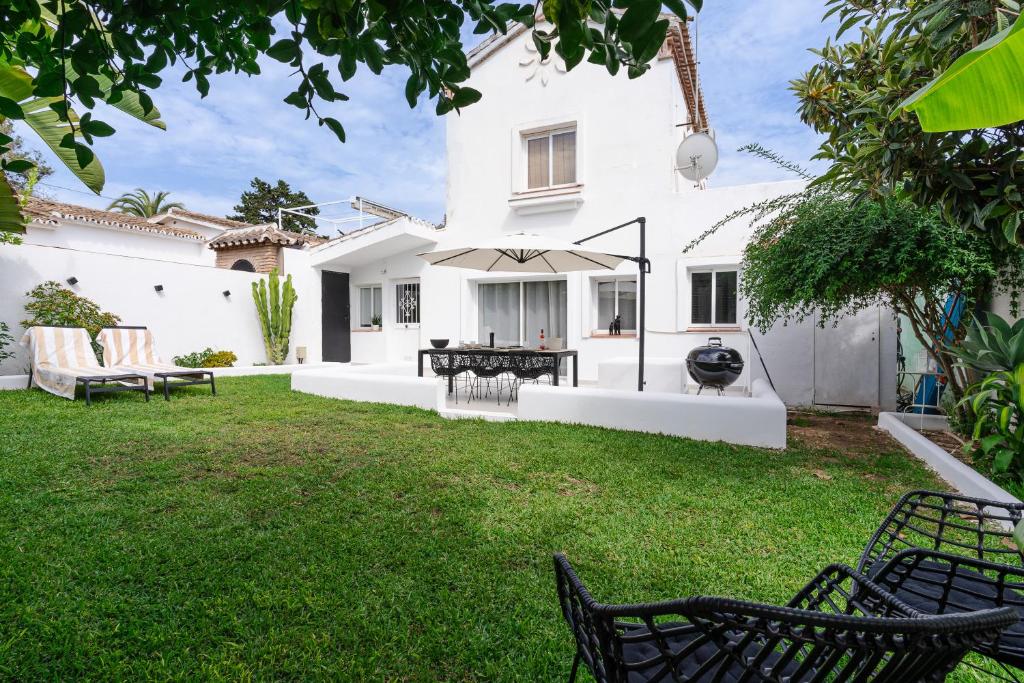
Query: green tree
x,y
834,255
853,95
17,149
84,51
141,203
260,205
826,251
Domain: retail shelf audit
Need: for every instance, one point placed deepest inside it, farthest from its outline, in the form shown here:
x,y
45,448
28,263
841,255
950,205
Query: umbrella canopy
x,y
524,253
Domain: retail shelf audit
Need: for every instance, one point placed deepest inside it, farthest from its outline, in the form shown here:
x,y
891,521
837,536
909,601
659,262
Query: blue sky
x,y
748,52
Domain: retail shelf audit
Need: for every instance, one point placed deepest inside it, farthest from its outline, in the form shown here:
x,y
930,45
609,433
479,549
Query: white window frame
x,y
598,281
395,284
714,299
519,168
522,302
549,134
359,304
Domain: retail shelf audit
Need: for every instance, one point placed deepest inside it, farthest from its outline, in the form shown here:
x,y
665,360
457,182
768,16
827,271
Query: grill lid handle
x,y
714,341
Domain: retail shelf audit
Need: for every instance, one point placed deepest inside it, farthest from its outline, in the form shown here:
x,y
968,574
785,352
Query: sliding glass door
x,y
516,312
500,313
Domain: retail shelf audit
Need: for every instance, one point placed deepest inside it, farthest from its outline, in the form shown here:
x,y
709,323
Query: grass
x,y
268,534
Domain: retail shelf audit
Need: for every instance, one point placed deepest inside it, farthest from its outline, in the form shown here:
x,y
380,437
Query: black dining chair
x,y
488,369
530,367
840,627
450,366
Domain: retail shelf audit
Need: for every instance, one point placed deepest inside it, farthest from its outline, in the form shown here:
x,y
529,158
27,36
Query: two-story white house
x,y
565,155
546,152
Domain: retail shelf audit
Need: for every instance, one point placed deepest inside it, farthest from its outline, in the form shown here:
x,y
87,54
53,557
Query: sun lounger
x,y
133,349
62,358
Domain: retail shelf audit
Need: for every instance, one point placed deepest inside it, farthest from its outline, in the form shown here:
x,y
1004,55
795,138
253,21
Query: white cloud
x,y
749,52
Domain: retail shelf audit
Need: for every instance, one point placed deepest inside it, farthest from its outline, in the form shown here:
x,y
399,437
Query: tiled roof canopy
x,y
48,212
200,218
679,45
259,234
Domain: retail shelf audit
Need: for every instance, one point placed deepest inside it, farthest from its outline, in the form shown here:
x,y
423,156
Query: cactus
x,y
274,305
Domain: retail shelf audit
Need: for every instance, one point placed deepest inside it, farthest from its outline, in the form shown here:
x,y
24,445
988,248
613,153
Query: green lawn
x,y
268,534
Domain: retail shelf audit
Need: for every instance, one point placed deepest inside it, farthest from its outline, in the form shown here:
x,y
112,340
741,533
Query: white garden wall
x,y
100,239
757,420
190,314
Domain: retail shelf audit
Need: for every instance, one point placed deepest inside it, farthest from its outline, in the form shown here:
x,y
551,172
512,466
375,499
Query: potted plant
x,y
375,322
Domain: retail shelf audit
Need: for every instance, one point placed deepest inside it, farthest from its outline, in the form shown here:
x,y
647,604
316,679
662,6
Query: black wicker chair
x,y
947,522
450,366
942,583
531,367
946,553
840,627
488,368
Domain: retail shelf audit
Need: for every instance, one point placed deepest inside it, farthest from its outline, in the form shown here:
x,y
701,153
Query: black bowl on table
x,y
439,343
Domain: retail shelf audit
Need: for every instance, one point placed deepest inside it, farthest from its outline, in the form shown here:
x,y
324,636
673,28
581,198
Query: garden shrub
x,y
220,359
53,305
997,403
207,358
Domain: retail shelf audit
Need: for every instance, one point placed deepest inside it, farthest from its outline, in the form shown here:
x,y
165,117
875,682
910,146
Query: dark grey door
x,y
337,328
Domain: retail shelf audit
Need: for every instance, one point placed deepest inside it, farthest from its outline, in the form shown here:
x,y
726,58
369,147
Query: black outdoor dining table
x,y
488,351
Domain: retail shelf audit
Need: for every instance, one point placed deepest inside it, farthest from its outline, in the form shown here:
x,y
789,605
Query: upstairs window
x,y
713,296
551,159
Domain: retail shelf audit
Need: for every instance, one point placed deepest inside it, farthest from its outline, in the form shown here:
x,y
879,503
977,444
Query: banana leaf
x,y
16,84
982,89
11,219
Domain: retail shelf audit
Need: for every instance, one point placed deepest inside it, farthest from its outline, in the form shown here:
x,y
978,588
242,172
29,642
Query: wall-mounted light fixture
x,y
159,288
72,280
227,293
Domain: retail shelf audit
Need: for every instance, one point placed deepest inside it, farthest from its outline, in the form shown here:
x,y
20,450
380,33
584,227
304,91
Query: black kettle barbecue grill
x,y
714,365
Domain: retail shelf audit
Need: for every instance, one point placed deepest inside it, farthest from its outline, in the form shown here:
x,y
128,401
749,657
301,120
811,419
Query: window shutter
x,y
725,298
700,301
563,166
537,161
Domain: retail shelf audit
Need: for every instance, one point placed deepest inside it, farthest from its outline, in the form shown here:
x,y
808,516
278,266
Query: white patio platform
x,y
755,420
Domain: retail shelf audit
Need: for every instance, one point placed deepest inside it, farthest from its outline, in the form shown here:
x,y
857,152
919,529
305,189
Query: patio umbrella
x,y
524,253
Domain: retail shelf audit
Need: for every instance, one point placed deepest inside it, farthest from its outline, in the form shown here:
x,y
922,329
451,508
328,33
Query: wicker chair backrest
x,y
839,627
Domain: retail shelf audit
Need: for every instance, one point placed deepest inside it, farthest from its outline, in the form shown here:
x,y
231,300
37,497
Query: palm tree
x,y
140,203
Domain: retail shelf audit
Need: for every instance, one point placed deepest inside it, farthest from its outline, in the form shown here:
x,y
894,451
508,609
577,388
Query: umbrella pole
x,y
645,268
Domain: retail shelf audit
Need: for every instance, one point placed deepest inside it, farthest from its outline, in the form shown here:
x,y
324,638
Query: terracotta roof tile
x,y
201,218
257,234
49,212
681,48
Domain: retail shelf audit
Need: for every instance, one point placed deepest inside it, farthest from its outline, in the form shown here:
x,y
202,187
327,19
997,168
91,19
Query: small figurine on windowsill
x,y
615,326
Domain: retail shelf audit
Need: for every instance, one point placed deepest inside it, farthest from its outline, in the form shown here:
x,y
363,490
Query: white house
x,y
567,155
546,152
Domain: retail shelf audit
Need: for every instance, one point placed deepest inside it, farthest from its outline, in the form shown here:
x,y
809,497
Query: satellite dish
x,y
697,157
